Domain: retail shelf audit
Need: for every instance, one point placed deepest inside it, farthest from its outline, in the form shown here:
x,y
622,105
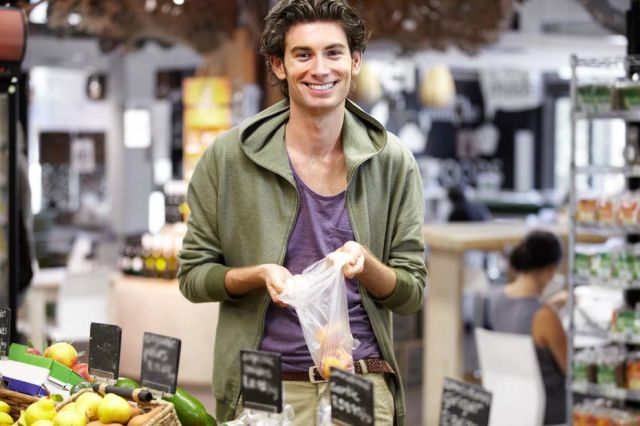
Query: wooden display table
x,y
155,305
442,320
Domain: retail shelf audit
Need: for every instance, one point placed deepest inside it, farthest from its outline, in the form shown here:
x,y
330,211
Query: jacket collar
x,y
262,138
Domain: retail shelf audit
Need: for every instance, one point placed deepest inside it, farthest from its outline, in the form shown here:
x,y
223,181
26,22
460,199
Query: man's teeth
x,y
321,86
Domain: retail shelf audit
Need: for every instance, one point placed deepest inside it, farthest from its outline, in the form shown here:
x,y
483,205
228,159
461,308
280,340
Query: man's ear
x,y
356,62
277,66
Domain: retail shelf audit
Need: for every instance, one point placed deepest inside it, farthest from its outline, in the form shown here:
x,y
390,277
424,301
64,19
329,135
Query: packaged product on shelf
x,y
605,212
583,265
585,366
623,320
611,367
628,210
628,92
586,210
624,267
594,97
633,370
601,265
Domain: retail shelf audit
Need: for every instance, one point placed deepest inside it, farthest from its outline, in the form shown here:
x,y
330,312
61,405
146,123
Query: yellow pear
x,y
4,407
5,419
69,418
114,409
43,423
43,409
87,403
68,407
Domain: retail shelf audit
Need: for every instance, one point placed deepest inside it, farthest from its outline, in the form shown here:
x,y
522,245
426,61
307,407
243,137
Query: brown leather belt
x,y
362,366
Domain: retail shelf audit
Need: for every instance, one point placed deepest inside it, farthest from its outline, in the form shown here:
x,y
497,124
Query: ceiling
x,y
414,25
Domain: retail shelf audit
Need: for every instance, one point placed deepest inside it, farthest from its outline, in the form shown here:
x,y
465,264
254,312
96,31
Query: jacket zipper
x,y
267,300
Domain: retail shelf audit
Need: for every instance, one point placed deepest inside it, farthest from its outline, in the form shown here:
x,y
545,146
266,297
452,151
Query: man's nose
x,y
320,65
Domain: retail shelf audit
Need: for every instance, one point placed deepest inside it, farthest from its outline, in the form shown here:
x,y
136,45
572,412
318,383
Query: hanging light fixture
x,y
437,89
13,36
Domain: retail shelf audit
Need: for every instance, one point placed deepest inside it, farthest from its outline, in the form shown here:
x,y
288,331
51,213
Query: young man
x,y
308,176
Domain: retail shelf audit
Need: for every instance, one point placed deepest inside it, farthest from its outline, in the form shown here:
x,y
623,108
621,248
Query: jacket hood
x,y
262,137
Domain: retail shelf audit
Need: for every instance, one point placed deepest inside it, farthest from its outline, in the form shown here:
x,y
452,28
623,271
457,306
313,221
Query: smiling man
x,y
308,176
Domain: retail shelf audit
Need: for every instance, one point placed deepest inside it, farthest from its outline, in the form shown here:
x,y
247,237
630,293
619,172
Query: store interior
x,y
117,100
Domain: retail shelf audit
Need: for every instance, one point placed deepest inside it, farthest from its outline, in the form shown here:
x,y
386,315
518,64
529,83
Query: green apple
x,y
62,352
69,418
43,409
87,403
114,409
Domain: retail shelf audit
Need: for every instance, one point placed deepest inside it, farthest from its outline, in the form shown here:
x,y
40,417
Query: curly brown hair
x,y
287,13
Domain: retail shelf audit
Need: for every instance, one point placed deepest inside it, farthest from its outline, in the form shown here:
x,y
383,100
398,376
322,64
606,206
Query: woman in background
x,y
518,308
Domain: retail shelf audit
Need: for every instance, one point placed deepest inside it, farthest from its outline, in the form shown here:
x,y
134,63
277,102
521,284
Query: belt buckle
x,y
312,375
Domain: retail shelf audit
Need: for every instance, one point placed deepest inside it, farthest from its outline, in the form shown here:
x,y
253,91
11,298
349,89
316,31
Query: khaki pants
x,y
305,398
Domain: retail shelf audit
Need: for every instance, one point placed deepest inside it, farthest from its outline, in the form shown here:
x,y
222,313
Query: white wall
x,y
131,82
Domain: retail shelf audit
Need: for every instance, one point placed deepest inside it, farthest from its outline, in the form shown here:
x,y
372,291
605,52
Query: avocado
x,y
190,411
125,382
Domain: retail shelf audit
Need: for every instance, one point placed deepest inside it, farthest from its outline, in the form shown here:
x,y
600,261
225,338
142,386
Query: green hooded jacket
x,y
244,202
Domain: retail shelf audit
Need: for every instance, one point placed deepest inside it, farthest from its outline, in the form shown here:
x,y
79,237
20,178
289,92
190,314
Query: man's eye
x,y
303,55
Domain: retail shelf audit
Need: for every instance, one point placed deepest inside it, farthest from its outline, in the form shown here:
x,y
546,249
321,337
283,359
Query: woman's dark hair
x,y
538,250
287,13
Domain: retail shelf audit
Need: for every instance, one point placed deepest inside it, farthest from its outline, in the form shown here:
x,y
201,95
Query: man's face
x,y
318,66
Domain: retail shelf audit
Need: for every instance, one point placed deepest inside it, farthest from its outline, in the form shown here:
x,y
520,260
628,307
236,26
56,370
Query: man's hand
x,y
240,281
355,263
274,276
376,277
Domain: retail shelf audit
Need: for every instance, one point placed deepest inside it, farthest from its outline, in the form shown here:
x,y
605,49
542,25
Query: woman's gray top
x,y
515,315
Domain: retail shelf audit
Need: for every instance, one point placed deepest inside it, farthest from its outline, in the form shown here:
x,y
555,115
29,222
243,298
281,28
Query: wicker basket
x,y
18,401
166,417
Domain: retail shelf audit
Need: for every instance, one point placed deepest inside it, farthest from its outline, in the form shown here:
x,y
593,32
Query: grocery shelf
x,y
610,283
606,229
608,170
606,391
626,115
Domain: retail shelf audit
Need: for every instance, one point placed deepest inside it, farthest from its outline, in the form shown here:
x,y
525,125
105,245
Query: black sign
x,y
261,380
351,399
5,331
160,360
464,404
104,350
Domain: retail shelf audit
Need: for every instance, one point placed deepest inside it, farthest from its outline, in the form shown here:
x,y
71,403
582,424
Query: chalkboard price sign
x,y
160,360
104,350
351,399
5,331
261,380
464,404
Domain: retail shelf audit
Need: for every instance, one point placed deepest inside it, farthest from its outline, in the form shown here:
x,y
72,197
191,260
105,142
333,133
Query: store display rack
x,y
604,66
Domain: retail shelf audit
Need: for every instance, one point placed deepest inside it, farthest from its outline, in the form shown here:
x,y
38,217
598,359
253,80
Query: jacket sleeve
x,y
202,269
407,253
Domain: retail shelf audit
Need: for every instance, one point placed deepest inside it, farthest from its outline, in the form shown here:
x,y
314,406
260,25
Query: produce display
x,y
53,389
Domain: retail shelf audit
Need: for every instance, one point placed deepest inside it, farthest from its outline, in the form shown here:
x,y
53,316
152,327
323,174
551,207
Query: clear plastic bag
x,y
319,296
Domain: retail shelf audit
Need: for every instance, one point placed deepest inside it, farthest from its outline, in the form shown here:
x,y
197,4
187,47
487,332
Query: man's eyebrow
x,y
307,48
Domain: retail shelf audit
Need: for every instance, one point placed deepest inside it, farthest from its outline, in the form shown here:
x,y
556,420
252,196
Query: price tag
x,y
351,399
104,350
261,380
5,331
160,360
464,404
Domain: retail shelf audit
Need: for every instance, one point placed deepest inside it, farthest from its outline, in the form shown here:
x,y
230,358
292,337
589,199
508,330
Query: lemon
x,y
4,407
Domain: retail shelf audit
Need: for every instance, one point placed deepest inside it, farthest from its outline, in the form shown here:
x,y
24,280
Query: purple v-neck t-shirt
x,y
322,226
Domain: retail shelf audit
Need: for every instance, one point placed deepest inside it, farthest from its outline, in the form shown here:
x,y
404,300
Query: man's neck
x,y
314,135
